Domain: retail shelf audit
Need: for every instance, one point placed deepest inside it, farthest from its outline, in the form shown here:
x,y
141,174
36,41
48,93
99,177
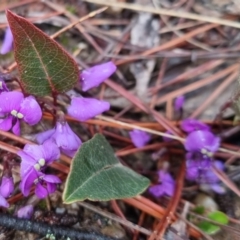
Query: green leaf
x,y
199,209
208,227
44,66
218,216
96,174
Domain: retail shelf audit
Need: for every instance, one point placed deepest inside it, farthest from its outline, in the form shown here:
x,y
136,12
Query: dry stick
x,y
159,81
173,13
91,14
171,43
172,206
18,4
215,94
180,34
79,26
198,84
132,126
115,218
180,27
159,118
189,74
224,178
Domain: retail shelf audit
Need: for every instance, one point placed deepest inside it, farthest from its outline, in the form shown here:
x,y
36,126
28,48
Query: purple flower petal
x,y
7,42
43,136
166,185
94,76
6,123
41,191
3,202
16,128
35,151
86,108
65,138
51,178
25,212
157,190
10,101
51,187
7,186
179,102
189,125
202,140
31,110
139,138
218,188
27,181
50,151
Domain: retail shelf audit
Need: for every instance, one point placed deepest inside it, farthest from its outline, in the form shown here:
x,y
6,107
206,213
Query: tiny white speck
x,y
25,71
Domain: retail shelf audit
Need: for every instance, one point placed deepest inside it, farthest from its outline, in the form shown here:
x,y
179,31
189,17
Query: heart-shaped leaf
x,y
96,174
44,66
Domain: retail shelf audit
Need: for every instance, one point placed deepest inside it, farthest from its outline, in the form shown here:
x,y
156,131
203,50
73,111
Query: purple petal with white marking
x,y
10,101
7,45
198,140
86,108
51,151
94,76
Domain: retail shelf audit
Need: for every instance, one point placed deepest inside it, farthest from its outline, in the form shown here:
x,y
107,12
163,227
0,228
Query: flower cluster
x,y
35,159
201,144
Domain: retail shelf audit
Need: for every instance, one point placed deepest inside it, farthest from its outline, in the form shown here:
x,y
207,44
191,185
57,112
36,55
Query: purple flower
x,y
204,175
7,42
7,186
166,185
202,141
189,125
86,108
14,107
179,102
44,184
37,157
25,212
139,138
64,137
94,76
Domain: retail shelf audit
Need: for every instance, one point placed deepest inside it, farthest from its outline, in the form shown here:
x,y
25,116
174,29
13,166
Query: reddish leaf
x,y
44,66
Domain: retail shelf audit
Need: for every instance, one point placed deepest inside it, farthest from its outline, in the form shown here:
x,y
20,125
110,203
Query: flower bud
x,y
25,212
94,76
7,186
